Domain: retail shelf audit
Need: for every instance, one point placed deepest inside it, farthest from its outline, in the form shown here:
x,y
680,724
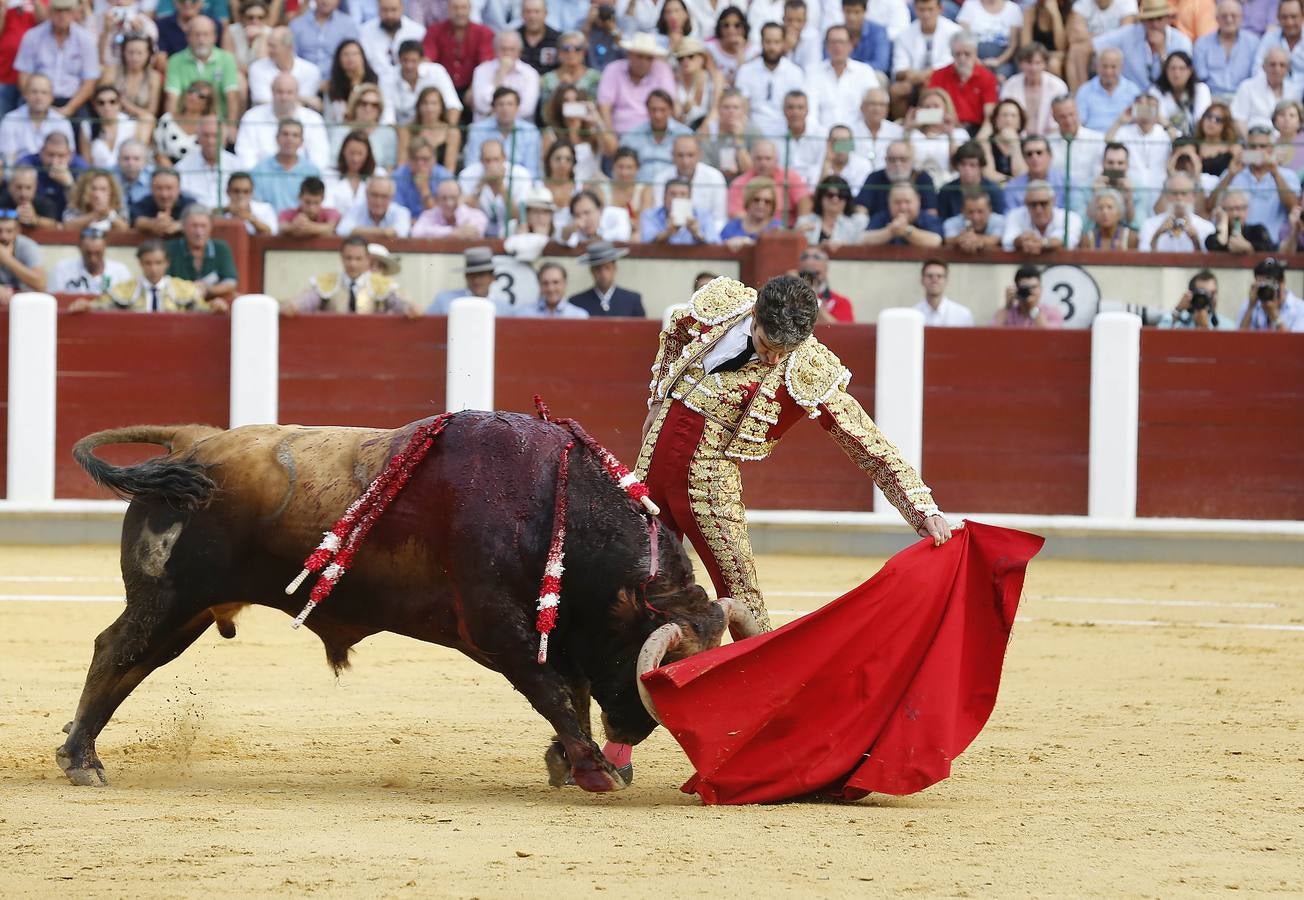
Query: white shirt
x,y
1255,101
265,213
522,79
256,137
987,26
1146,152
381,48
729,346
262,72
491,204
948,313
340,194
853,173
764,89
933,154
1017,221
894,15
803,155
873,148
917,51
835,100
613,225
19,136
710,192
206,183
1084,162
70,277
1101,20
402,97
1170,243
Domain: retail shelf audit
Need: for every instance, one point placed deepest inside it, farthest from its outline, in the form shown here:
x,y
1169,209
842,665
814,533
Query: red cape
x,y
876,692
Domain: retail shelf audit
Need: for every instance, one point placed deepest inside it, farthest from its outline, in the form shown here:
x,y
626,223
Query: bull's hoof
x,y
83,775
558,766
600,781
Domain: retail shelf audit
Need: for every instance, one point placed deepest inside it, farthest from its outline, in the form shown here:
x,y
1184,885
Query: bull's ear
x,y
627,609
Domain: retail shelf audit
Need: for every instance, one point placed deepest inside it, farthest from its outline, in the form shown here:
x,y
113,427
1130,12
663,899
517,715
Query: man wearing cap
x,y
383,262
540,213
450,217
627,83
63,51
353,288
552,302
89,272
478,268
604,298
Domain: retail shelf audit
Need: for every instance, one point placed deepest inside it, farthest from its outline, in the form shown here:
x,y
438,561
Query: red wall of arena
x,y
1005,413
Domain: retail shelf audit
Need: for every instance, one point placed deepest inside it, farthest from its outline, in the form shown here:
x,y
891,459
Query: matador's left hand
x,y
937,528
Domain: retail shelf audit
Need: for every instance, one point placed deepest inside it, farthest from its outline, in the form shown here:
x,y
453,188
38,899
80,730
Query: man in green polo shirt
x,y
203,60
198,256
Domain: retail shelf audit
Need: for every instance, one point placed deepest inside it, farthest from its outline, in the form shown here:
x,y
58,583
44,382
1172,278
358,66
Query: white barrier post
x,y
1115,407
899,386
33,342
470,354
255,360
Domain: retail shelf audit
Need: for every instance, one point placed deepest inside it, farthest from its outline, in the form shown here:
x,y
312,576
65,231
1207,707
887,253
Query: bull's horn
x,y
654,650
742,624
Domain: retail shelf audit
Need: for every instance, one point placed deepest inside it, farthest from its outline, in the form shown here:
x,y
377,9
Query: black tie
x,y
353,296
734,363
153,298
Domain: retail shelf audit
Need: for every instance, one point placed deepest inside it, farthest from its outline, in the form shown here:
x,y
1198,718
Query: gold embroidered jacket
x,y
756,405
174,295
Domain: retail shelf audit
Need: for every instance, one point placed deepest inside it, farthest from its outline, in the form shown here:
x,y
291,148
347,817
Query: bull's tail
x,y
181,481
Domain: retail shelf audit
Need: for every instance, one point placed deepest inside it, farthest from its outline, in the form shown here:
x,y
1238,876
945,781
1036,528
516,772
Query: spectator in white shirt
x,y
495,189
89,272
801,149
936,307
801,35
1074,149
1177,229
873,131
505,70
414,74
377,217
383,36
766,81
1256,98
839,83
1147,141
256,137
204,174
24,130
925,46
1039,226
841,159
709,190
281,58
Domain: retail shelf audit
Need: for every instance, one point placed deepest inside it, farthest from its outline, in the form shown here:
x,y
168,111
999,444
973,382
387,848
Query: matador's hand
x,y
937,528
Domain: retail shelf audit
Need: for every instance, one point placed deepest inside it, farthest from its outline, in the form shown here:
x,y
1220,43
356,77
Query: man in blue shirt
x,y
872,45
654,140
1226,57
1036,153
903,223
1272,188
415,182
133,171
520,139
1102,99
677,221
1146,44
277,178
319,31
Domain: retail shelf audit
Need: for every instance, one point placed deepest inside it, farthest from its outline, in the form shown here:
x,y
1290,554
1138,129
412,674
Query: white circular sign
x,y
515,283
1076,292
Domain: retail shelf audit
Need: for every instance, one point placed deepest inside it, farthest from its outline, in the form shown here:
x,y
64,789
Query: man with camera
x,y
1178,229
1272,189
814,270
1023,307
1233,234
1115,174
1198,308
1270,306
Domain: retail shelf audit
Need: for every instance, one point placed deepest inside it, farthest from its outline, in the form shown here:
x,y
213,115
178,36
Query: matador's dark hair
x,y
786,308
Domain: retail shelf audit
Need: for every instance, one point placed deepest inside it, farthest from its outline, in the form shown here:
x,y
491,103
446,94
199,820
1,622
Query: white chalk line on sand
x,y
1093,601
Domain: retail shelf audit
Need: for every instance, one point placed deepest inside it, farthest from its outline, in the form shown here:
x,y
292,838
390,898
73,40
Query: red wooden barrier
x,y
125,369
1222,424
1006,419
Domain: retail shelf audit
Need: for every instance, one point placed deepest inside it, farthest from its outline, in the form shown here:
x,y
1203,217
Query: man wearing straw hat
x,y
604,298
627,83
1146,44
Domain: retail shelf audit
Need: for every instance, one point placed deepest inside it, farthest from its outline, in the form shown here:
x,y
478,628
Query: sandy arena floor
x,y
1149,741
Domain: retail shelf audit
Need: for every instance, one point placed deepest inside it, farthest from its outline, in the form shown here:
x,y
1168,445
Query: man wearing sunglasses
x,y
1040,225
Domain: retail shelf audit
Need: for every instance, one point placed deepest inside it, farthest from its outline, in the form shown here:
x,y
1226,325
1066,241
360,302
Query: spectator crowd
x,y
1123,125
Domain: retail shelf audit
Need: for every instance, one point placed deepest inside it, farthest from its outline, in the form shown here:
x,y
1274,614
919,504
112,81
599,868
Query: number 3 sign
x,y
1076,292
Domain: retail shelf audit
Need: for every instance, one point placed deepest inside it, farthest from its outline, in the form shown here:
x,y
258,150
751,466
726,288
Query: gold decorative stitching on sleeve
x,y
812,374
721,299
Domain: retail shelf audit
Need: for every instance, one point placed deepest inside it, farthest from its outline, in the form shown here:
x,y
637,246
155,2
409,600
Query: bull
x,y
225,517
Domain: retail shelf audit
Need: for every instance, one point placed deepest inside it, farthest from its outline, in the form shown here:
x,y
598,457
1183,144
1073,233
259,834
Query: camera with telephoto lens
x,y
1265,291
1200,299
606,13
1022,291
